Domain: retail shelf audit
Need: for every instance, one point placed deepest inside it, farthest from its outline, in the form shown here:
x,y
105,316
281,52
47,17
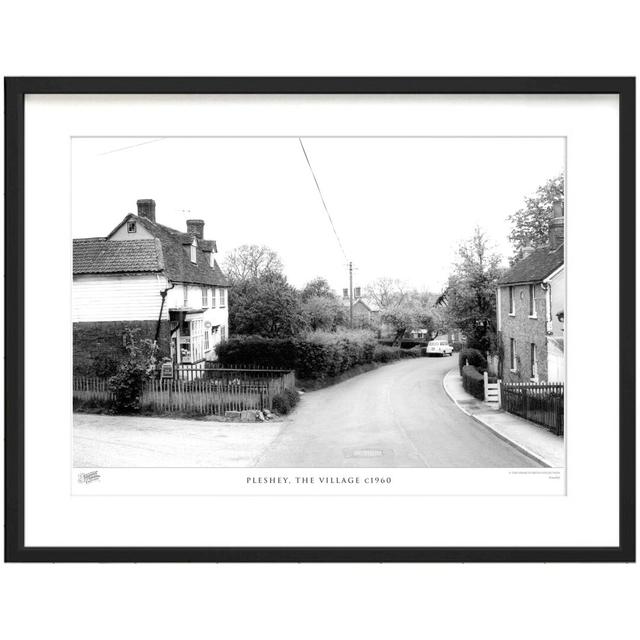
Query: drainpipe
x,y
163,295
547,299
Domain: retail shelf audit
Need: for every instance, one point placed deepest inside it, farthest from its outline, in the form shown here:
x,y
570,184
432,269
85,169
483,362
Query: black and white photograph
x,y
318,302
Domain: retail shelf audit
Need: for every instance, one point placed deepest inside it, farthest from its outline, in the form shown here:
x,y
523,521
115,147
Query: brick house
x,y
530,310
144,275
365,313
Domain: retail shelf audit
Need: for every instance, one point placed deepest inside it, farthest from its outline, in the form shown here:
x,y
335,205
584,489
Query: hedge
x,y
285,401
473,357
473,381
316,354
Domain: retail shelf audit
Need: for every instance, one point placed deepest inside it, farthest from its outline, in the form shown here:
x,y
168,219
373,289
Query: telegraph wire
x,y
131,146
324,204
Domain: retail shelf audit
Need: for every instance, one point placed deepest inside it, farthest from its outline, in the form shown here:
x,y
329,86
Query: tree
x,y
386,292
317,288
251,261
530,225
471,292
320,312
266,305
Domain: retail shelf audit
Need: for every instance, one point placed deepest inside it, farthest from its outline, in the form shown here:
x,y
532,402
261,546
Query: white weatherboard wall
x,y
98,298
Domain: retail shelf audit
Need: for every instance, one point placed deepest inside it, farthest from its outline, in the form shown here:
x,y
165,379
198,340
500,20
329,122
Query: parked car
x,y
441,347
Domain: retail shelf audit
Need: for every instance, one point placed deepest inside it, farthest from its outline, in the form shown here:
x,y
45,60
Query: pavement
x,y
396,416
533,440
131,441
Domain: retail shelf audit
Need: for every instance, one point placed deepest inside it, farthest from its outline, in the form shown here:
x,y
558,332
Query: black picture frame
x,y
15,91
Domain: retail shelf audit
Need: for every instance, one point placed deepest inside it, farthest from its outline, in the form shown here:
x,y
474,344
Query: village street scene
x,y
320,303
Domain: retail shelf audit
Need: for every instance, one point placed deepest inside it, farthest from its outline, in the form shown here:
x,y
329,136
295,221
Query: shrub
x,y
473,381
384,353
285,401
277,353
127,384
474,357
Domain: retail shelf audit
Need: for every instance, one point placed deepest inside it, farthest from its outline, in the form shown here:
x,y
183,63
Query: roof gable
x,y
170,246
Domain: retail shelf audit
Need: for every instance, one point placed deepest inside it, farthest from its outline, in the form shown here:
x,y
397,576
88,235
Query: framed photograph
x,y
320,319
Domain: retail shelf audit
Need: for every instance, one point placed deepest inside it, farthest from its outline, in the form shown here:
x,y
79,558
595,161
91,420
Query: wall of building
x,y
104,306
112,297
140,233
557,295
98,346
525,330
215,310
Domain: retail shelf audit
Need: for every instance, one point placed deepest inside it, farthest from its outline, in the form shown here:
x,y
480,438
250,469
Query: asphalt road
x,y
396,416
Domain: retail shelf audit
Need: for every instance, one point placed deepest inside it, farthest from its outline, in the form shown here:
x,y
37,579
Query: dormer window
x,y
212,260
131,226
193,251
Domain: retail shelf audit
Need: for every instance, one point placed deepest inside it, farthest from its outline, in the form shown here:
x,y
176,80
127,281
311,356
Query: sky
x,y
400,206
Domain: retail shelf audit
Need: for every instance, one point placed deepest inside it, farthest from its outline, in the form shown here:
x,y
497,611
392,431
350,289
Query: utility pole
x,y
351,294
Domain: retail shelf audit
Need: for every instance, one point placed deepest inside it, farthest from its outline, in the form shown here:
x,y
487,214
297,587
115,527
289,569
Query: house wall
x,y
103,306
140,234
217,316
557,284
525,330
98,346
113,297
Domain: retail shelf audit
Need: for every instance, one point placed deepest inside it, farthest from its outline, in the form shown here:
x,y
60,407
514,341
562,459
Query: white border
x,y
587,516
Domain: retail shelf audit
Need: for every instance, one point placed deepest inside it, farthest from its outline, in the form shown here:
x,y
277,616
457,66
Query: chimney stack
x,y
196,228
147,209
556,226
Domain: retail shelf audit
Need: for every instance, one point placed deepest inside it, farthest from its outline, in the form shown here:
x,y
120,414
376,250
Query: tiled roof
x,y
536,267
170,253
177,258
96,255
369,305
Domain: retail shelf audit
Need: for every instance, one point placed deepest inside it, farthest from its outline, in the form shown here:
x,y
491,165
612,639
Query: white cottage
x,y
144,275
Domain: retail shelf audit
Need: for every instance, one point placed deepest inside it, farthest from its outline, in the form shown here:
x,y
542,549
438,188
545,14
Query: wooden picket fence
x,y
91,389
542,403
200,396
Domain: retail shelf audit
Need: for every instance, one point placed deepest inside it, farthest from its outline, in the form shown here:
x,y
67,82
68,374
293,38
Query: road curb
x,y
527,452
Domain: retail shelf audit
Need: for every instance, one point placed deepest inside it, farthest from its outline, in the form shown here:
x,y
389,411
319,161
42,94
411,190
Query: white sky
x,y
400,205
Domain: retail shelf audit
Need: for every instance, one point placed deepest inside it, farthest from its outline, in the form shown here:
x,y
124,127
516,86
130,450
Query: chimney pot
x,y
147,209
196,228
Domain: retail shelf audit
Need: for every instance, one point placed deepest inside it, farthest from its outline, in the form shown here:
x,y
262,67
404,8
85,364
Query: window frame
x,y
513,361
532,301
185,296
132,226
512,301
533,354
193,255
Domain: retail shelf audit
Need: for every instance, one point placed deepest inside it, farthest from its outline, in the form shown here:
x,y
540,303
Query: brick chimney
x,y
147,209
196,228
556,226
